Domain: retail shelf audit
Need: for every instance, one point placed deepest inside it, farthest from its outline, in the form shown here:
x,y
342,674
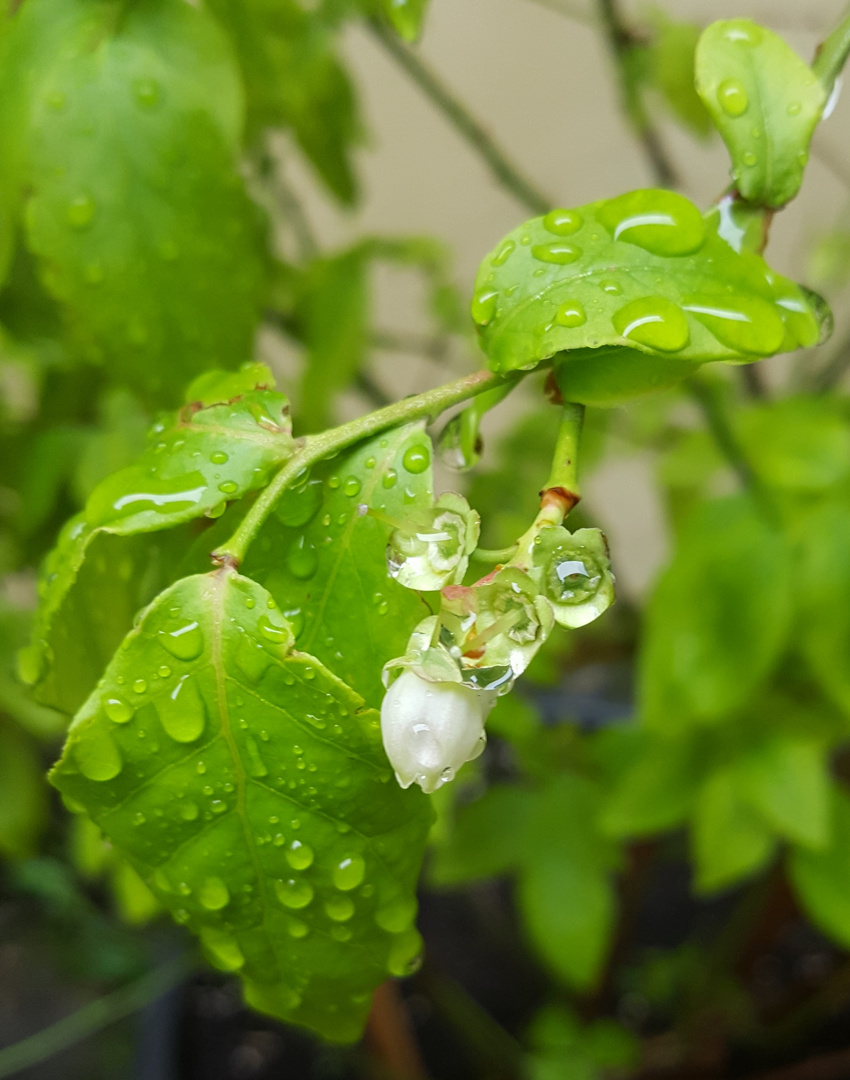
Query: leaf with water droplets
x,y
766,103
121,138
630,295
249,788
213,450
324,560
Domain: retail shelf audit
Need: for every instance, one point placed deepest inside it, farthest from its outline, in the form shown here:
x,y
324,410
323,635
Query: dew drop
x,y
660,222
571,313
186,643
732,97
80,211
349,873
613,288
390,478
333,482
299,856
503,253
255,765
484,306
352,486
396,916
339,908
297,929
405,954
228,487
749,159
340,933
556,252
293,893
222,949
794,108
744,324
182,713
163,671
117,709
655,322
189,811
417,458
97,755
213,894
218,457
562,222
302,560
273,632
139,686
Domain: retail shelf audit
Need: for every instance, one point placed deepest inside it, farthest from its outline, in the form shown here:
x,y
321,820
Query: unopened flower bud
x,y
431,728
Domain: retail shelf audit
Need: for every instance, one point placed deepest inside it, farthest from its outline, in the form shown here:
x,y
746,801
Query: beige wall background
x,y
543,85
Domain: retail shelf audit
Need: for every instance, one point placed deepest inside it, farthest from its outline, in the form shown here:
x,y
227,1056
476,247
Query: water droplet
x,y
352,486
732,97
794,108
333,482
146,92
200,768
297,929
213,894
139,686
118,710
749,159
562,222
222,949
743,31
504,253
189,811
348,874
745,324
163,671
484,306
339,908
390,478
255,765
80,212
228,487
417,458
273,632
556,252
302,560
396,916
660,222
299,856
218,806
340,933
655,322
182,713
571,313
97,755
405,954
294,893
139,818
186,643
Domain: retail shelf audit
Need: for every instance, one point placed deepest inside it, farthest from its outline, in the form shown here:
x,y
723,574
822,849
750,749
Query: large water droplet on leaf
x,y
484,306
571,313
349,873
745,324
294,893
302,561
182,713
339,908
97,755
186,642
732,97
213,894
299,856
661,222
405,954
417,458
396,915
557,252
655,322
222,949
562,222
298,505
117,709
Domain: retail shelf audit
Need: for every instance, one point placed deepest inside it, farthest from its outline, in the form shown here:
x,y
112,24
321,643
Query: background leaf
x,y
766,104
249,788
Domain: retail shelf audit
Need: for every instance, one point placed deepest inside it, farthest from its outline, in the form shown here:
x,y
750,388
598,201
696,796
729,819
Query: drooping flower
x,y
433,549
574,574
430,729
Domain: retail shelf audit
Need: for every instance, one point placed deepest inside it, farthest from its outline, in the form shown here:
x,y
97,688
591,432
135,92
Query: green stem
x,y
93,1017
564,473
832,55
328,443
622,44
494,555
463,122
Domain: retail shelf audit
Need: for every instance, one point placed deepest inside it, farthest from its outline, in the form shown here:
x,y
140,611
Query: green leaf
x,y
766,104
656,791
634,293
565,890
797,443
719,618
822,878
406,16
293,78
146,236
787,780
823,597
730,840
671,56
325,563
249,788
93,583
23,794
488,838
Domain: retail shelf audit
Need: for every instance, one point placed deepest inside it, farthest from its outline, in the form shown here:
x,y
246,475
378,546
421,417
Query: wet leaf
x,y
630,295
719,618
122,132
766,103
248,787
786,779
730,839
23,794
325,563
822,878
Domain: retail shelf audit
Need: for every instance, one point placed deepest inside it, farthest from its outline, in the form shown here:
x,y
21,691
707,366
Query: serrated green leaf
x,y
798,443
406,16
719,618
787,780
293,78
656,791
730,840
488,838
147,237
249,788
823,597
325,563
822,878
23,794
766,104
630,295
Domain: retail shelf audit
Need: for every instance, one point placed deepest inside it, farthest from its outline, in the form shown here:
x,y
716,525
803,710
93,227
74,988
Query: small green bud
x,y
574,572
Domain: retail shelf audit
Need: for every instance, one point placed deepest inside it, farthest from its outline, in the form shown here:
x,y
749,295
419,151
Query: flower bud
x,y
431,728
434,550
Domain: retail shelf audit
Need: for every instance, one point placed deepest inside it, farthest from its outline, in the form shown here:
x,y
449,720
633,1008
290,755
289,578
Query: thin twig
x,y
622,43
93,1017
461,119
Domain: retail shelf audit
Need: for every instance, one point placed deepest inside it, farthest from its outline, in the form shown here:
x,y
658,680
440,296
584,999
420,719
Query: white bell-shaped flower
x,y
431,728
